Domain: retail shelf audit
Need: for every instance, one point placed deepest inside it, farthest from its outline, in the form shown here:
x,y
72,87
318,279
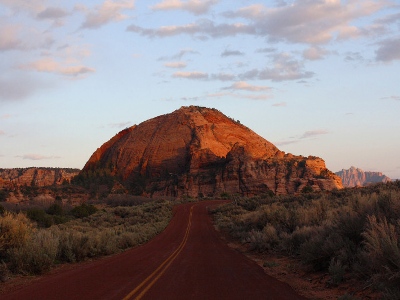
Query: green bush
x,y
83,210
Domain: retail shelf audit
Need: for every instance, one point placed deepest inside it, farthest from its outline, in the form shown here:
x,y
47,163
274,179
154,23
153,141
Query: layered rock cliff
x,y
199,151
357,177
35,176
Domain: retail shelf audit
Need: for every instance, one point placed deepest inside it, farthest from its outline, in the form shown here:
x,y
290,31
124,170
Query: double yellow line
x,y
142,288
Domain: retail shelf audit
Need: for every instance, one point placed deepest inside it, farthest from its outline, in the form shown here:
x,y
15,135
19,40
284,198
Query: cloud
x,y
312,21
314,53
231,53
175,64
203,27
285,67
109,11
388,50
178,55
279,104
12,89
52,13
37,157
32,6
353,57
397,98
265,50
191,75
49,65
242,85
313,133
196,7
9,38
119,125
2,132
239,96
223,76
283,143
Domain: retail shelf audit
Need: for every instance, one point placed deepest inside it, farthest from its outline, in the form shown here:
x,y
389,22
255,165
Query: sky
x,y
314,77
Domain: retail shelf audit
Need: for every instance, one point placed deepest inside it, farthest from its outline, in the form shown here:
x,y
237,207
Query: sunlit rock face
x,y
357,177
36,176
197,151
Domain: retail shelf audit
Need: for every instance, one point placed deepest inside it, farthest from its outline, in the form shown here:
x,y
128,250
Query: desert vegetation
x,y
350,232
34,240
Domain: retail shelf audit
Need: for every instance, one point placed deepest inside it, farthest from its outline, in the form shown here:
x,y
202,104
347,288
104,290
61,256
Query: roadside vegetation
x,y
33,240
346,233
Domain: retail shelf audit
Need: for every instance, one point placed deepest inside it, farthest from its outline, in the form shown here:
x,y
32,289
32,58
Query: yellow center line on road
x,y
161,268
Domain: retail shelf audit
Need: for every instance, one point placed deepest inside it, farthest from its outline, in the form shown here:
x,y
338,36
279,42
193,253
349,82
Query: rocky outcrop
x,y
36,176
198,151
357,177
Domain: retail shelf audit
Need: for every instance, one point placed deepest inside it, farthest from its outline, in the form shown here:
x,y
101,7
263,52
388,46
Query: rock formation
x,y
35,176
199,151
357,177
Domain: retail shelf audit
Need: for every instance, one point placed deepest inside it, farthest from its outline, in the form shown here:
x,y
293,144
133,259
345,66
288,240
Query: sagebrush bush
x,y
15,230
25,249
345,231
36,256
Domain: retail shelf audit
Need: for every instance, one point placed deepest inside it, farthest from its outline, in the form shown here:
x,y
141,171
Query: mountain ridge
x,y
357,177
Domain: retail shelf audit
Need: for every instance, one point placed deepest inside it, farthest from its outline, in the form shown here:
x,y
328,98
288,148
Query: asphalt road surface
x,y
188,260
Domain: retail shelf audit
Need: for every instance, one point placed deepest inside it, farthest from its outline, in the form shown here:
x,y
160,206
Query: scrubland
x,y
34,240
345,233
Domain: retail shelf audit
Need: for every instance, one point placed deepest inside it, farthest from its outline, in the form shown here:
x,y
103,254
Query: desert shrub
x,y
344,231
36,256
336,271
263,240
15,230
83,210
40,217
55,209
382,250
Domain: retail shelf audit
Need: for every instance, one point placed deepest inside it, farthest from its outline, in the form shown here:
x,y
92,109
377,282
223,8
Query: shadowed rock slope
x,y
198,151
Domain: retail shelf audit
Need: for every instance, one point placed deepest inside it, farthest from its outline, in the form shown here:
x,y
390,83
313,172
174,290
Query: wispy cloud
x,y
37,157
388,50
109,11
238,96
178,55
11,88
312,22
196,7
313,133
191,75
279,104
50,65
242,85
315,53
284,143
285,67
2,132
175,64
55,14
202,27
397,98
231,53
119,125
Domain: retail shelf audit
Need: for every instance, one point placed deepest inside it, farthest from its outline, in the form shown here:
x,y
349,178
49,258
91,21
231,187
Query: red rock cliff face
x,y
35,176
199,151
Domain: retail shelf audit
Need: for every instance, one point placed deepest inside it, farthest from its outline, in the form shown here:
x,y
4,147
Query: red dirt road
x,y
188,260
